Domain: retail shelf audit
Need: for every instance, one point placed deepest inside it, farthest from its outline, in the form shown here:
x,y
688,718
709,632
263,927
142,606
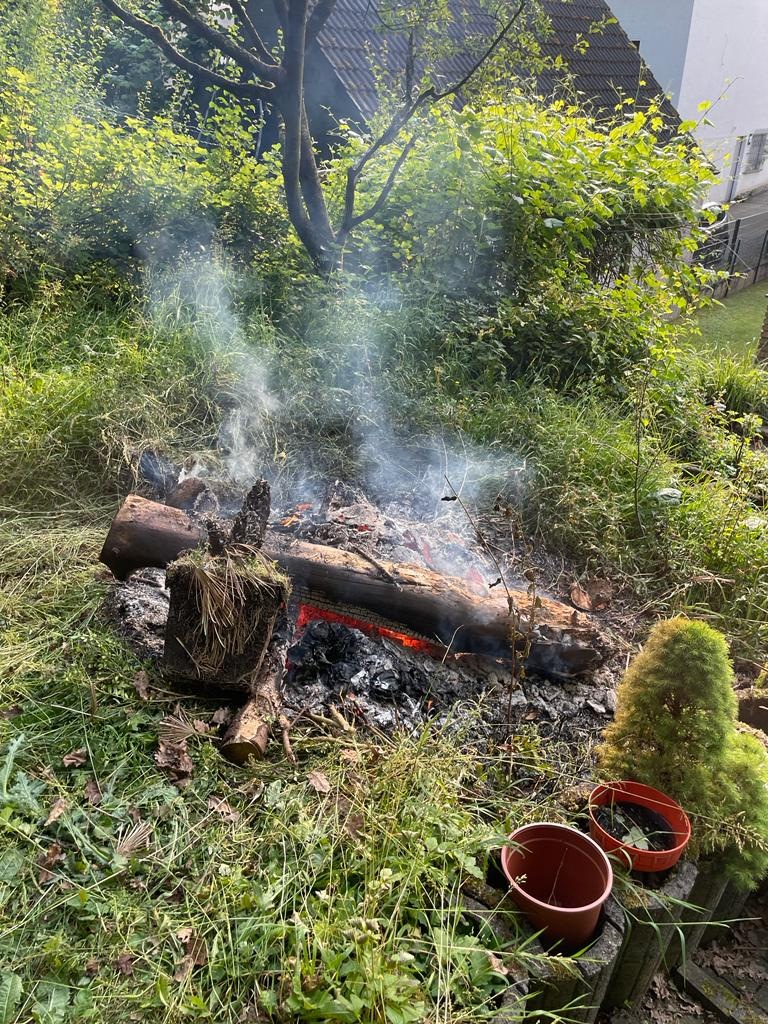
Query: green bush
x,y
558,227
675,729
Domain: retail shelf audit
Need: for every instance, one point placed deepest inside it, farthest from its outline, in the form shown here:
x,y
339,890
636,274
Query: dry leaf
x,y
195,955
200,726
350,756
175,760
197,950
224,808
184,969
53,856
124,964
222,716
319,782
75,758
580,598
141,684
92,967
56,811
93,792
10,712
496,964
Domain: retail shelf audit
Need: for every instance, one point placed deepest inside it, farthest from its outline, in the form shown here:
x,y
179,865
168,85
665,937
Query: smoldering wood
x,y
250,523
411,599
146,533
405,598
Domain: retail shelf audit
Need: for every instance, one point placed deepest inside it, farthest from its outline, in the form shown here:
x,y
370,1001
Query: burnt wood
x,y
404,598
249,731
437,608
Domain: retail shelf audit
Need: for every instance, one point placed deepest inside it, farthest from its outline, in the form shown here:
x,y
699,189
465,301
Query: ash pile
x,y
383,662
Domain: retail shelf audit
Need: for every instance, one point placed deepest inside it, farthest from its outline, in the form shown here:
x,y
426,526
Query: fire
x,y
310,612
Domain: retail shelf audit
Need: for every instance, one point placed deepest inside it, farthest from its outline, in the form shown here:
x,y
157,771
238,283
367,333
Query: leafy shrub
x,y
86,197
554,223
675,729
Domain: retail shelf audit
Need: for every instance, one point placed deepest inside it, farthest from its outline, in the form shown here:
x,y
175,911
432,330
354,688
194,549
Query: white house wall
x,y
662,27
724,60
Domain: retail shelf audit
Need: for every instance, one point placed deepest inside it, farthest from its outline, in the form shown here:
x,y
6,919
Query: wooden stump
x,y
221,616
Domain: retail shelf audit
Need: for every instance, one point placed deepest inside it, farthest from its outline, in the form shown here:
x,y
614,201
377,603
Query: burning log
x,y
146,533
411,600
403,600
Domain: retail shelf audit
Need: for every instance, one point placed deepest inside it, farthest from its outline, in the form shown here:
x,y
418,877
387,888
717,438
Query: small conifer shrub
x,y
675,729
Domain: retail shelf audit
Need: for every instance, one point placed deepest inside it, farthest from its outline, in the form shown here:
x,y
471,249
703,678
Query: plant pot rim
x,y
642,791
568,830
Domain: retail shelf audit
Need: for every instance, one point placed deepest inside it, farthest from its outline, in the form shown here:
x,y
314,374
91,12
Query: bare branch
x,y
317,19
156,35
350,221
489,52
403,116
221,41
249,31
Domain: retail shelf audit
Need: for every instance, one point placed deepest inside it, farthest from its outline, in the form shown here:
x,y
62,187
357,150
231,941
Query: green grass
x,y
157,903
734,326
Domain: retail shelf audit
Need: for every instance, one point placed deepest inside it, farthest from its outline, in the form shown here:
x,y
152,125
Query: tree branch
x,y
403,116
350,222
489,52
221,41
250,33
317,19
156,35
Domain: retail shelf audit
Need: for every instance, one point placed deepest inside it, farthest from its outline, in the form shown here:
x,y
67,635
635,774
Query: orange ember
x,y
310,612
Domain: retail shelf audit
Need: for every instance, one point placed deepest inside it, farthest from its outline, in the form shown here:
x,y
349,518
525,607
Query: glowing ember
x,y
310,613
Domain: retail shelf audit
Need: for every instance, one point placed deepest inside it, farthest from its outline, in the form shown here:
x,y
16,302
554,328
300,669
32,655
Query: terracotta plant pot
x,y
613,793
560,879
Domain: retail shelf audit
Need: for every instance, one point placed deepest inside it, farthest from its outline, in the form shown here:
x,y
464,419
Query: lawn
x,y
734,325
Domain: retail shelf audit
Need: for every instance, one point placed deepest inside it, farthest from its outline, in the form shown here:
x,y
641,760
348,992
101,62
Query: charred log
x,y
402,598
250,523
430,606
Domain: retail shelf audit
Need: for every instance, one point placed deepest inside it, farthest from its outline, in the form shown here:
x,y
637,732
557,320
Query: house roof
x,y
604,71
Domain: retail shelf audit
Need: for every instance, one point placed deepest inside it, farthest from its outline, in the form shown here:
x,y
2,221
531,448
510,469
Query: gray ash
x,y
139,609
375,681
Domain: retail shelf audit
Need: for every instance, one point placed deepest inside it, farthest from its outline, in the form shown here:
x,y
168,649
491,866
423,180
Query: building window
x,y
758,151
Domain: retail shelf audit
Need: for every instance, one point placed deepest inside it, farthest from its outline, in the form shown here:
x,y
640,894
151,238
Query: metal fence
x,y
740,247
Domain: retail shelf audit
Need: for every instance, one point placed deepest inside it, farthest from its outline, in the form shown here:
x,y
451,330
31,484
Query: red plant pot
x,y
560,879
646,796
